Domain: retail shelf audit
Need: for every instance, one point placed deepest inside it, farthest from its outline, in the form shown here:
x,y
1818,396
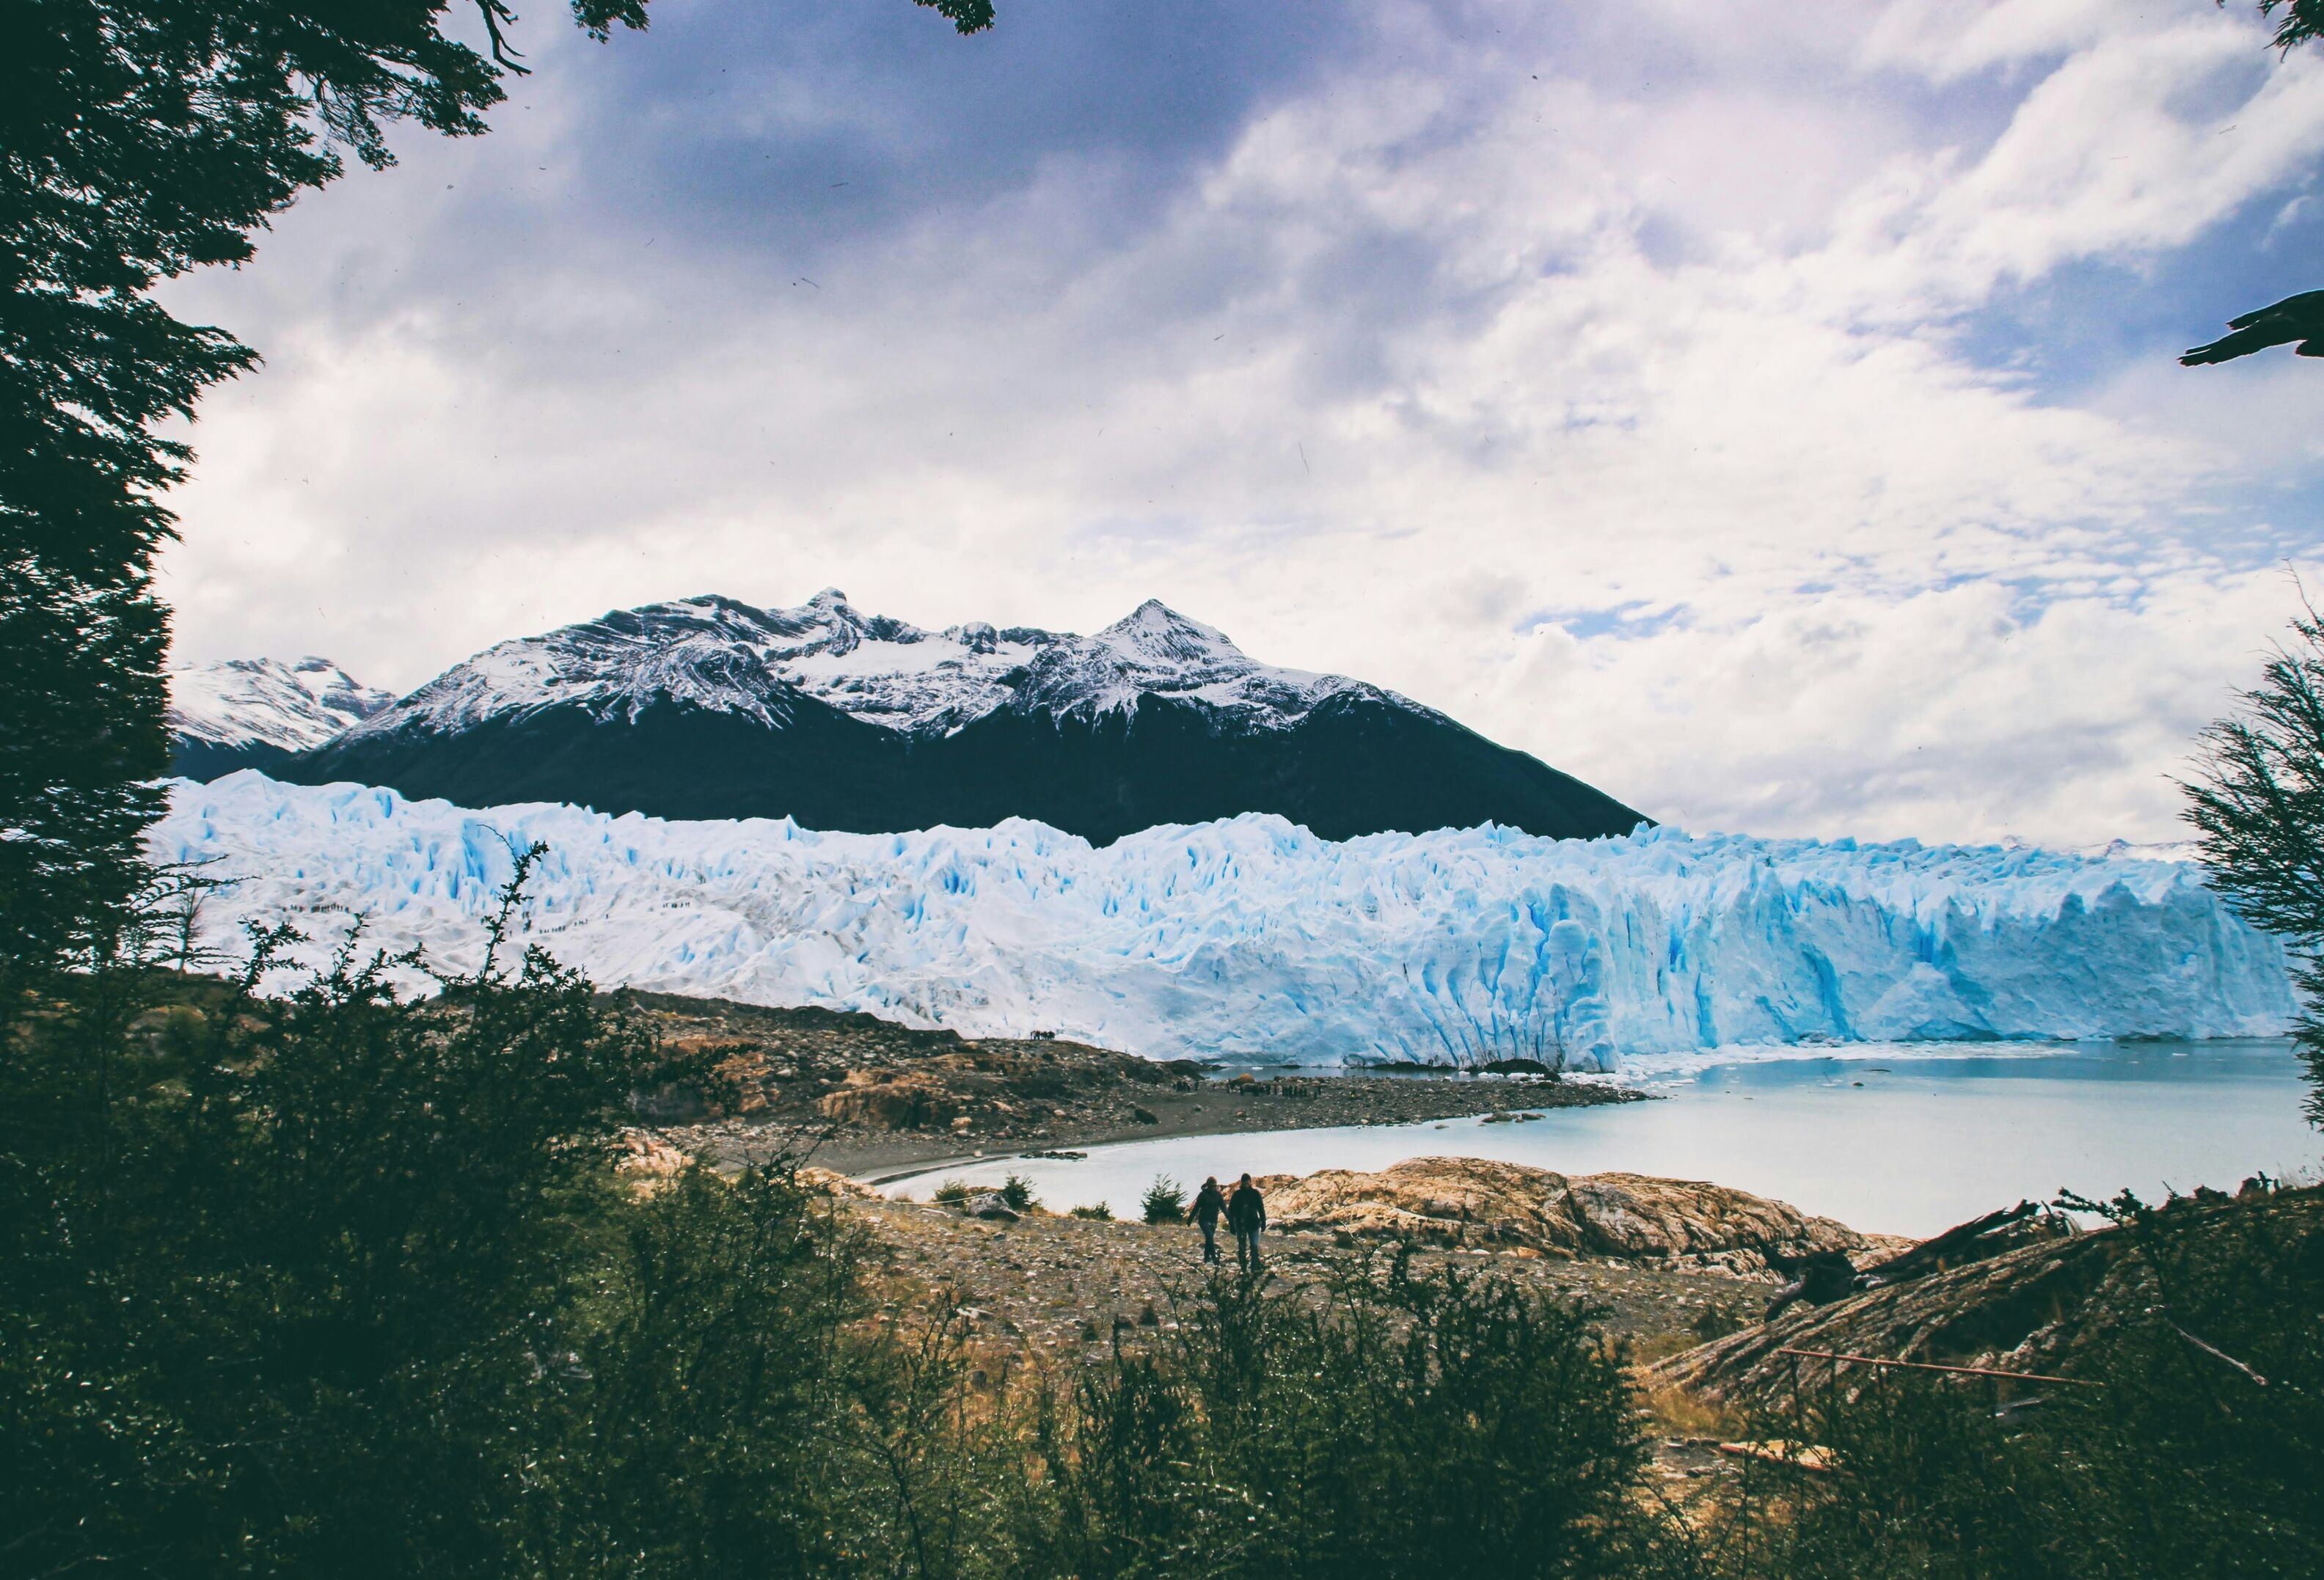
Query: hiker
x,y
1209,1202
1246,1215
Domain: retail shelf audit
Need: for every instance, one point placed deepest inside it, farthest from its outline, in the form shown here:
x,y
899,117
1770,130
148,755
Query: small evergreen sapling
x,y
1165,1201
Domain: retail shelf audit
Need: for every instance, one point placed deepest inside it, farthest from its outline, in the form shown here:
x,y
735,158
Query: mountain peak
x,y
1158,633
718,654
239,704
712,708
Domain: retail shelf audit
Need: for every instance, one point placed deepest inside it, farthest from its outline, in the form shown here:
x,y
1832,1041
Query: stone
x,y
990,1207
1625,1217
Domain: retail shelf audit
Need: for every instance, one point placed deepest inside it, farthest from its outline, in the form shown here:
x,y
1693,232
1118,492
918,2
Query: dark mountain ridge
x,y
711,708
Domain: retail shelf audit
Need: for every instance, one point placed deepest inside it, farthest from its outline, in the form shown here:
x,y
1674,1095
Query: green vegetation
x,y
341,1281
1101,1212
952,1193
2198,1454
1406,1425
1165,1201
1017,1194
2257,805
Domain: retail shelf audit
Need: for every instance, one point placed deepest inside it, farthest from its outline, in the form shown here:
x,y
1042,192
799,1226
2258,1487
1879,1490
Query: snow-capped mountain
x,y
709,707
256,713
726,656
1251,938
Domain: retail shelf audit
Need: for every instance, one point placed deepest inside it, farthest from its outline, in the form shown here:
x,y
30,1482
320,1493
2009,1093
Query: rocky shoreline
x,y
870,1098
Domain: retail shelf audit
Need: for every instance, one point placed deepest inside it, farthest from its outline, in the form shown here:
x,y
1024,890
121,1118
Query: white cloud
x,y
1443,342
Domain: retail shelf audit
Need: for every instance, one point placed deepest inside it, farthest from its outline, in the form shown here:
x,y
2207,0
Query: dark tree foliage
x,y
1410,1424
80,739
2302,21
259,1249
339,1282
139,140
2297,320
2257,805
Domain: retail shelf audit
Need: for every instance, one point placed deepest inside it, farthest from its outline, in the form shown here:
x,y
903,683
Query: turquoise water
x,y
1898,1139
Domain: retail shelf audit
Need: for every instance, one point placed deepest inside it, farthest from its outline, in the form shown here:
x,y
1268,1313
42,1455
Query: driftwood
x,y
1959,1246
1820,1278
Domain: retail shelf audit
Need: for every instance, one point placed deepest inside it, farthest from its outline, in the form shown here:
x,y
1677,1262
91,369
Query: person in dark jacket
x,y
1210,1202
1246,1215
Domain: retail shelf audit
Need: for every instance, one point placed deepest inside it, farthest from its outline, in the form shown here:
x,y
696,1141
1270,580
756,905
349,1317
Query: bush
x,y
1100,1212
1017,1192
345,1282
953,1192
1409,1424
1165,1201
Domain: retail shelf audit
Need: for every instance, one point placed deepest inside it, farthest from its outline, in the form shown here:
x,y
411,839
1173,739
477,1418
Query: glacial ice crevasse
x,y
1252,938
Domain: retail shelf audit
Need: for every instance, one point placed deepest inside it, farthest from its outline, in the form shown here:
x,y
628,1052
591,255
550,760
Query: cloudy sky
x,y
1765,411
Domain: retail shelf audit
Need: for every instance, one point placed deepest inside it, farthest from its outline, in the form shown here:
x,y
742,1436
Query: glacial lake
x,y
1900,1139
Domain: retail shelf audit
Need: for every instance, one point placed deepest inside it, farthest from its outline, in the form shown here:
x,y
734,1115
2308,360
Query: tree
x,y
331,1279
143,138
1390,1422
2257,804
2297,321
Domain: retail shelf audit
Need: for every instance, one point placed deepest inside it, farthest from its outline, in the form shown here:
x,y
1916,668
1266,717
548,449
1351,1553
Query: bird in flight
x,y
2295,318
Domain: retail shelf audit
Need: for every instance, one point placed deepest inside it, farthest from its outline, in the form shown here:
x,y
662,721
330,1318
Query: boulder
x,y
990,1205
1476,1201
876,1102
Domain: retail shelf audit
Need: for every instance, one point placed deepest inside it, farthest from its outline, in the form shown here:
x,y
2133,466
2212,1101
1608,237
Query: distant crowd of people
x,y
1246,1215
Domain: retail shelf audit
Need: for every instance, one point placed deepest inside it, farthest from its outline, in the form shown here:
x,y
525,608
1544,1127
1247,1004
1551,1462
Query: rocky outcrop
x,y
882,1100
1631,1217
2012,1312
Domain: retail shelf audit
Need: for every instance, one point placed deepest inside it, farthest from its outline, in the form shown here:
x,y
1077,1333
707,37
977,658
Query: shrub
x,y
341,1281
1165,1201
1408,1424
1100,1212
953,1192
1017,1191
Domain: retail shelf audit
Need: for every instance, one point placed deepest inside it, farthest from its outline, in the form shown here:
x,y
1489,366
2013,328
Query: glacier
x,y
1251,938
